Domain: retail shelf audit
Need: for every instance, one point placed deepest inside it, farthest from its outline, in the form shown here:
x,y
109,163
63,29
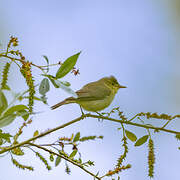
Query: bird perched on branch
x,y
95,96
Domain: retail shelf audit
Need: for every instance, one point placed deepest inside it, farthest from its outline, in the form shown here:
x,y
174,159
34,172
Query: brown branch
x,y
5,149
20,60
131,123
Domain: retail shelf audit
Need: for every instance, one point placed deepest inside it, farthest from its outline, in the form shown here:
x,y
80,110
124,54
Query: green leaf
x,y
91,163
44,99
17,151
80,160
5,136
36,133
54,83
44,86
61,84
37,98
14,109
51,158
66,83
77,136
6,120
131,136
47,60
67,66
58,160
66,88
52,79
3,102
71,156
141,140
24,114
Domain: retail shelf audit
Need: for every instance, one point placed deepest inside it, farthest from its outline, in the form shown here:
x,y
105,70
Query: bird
x,y
94,96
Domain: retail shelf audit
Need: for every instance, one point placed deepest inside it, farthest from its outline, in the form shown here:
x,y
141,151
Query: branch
x,y
20,60
67,159
131,123
5,149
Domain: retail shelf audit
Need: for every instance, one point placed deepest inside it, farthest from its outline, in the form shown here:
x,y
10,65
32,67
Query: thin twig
x,y
20,60
67,159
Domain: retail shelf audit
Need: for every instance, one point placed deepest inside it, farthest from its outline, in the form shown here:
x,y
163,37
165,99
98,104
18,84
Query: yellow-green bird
x,y
95,96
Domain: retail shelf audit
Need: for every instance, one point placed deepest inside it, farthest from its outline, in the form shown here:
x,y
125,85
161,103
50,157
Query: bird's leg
x,y
81,110
99,115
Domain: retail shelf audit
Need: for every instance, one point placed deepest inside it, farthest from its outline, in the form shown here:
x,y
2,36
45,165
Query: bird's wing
x,y
93,91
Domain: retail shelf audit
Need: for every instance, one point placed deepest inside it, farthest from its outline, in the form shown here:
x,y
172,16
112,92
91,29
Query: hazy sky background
x,y
136,41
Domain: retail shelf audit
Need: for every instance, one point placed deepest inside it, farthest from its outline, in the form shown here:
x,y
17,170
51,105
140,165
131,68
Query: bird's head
x,y
112,83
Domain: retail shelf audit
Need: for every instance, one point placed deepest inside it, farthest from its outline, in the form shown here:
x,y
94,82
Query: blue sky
x,y
136,41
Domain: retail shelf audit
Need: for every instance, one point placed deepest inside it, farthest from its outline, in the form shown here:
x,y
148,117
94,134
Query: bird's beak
x,y
120,86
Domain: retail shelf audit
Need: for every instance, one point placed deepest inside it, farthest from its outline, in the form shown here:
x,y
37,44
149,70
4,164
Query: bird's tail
x,y
66,101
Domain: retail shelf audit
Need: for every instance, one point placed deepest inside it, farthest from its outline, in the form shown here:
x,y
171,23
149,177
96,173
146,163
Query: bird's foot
x,y
99,119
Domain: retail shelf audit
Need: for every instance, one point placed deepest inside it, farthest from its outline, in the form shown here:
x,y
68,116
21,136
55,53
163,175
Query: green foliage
x,y
23,113
43,89
61,84
48,167
36,133
44,86
131,136
66,88
151,158
15,109
141,140
89,163
5,77
51,157
47,61
5,136
87,138
26,72
117,170
66,83
163,116
9,115
52,79
6,120
58,160
17,151
67,66
124,155
61,152
116,110
71,156
21,166
3,102
76,137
